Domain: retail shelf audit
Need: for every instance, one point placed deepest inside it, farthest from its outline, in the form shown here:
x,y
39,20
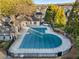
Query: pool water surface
x,y
46,41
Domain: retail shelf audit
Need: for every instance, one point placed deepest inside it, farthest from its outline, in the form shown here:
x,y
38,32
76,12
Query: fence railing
x,y
5,37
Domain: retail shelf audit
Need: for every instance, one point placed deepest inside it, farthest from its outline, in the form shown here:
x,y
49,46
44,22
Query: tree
x,y
25,9
60,18
55,15
12,7
72,26
50,13
73,21
7,7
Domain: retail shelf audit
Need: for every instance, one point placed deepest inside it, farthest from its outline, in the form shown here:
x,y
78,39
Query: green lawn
x,y
4,44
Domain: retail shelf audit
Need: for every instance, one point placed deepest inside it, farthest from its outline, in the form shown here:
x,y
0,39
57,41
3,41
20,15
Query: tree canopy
x,y
56,14
9,7
73,20
60,18
72,26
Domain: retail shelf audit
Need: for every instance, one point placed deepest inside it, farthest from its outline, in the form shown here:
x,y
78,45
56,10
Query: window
x,y
26,22
34,22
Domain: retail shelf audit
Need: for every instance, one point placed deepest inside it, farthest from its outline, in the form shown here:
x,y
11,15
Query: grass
x,y
4,44
77,46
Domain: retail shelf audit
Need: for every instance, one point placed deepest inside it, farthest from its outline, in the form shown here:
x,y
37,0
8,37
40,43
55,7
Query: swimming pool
x,y
40,42
48,41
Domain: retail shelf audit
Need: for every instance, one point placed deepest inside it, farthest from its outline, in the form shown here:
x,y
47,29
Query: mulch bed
x,y
71,55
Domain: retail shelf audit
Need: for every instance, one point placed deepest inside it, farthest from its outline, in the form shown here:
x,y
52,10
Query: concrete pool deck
x,y
66,45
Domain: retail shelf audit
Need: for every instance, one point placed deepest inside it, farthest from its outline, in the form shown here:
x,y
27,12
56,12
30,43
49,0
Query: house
x,y
39,15
41,9
27,21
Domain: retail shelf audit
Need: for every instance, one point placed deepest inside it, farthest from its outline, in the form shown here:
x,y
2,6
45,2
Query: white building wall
x,y
37,23
25,23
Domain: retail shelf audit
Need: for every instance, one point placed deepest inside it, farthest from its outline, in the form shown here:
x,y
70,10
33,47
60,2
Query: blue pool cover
x,y
48,41
37,40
